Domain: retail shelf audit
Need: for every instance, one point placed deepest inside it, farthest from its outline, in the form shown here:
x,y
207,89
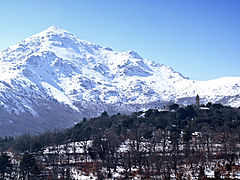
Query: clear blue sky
x,y
199,38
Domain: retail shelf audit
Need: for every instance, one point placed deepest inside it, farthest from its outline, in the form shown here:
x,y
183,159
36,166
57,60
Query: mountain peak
x,y
53,30
70,70
55,69
54,33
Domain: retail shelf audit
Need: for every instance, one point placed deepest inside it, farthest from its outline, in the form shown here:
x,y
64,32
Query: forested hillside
x,y
158,143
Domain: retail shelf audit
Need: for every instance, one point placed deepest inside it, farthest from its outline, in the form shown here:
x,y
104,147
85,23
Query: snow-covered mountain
x,y
53,79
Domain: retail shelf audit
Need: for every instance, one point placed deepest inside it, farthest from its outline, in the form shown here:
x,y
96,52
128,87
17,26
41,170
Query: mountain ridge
x,y
58,67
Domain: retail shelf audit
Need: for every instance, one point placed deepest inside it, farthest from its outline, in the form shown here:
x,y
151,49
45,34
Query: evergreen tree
x,y
5,165
28,166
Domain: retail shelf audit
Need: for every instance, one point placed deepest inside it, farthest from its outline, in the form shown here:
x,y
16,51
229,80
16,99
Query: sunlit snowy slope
x,y
55,72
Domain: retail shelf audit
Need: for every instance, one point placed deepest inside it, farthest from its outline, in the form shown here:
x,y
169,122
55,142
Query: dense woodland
x,y
175,142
